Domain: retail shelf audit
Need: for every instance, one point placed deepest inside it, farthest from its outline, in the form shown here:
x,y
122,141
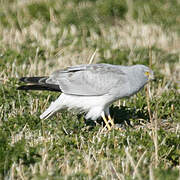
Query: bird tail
x,y
38,83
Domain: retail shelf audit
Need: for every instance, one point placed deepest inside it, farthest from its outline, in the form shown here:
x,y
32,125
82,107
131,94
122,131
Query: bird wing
x,y
88,80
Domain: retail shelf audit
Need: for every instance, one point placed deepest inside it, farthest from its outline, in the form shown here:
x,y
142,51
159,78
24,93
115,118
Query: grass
x,y
40,36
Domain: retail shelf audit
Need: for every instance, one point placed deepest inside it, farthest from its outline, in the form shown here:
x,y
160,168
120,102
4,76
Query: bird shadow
x,y
122,116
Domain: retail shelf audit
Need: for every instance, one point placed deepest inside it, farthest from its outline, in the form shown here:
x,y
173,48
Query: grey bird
x,y
90,88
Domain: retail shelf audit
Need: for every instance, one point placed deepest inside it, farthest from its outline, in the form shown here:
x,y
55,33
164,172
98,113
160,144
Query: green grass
x,y
38,37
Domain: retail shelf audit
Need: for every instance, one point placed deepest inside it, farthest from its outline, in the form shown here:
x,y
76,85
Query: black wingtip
x,y
33,79
22,79
39,88
23,88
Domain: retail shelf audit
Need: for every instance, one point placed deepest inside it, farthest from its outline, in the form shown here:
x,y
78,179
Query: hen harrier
x,y
90,88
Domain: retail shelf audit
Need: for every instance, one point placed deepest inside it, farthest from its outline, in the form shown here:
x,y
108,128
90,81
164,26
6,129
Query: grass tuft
x,y
38,37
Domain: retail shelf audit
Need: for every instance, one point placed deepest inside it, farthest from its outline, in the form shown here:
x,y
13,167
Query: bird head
x,y
143,72
149,74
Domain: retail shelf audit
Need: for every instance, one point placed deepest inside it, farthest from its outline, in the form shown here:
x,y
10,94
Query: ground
x,y
40,36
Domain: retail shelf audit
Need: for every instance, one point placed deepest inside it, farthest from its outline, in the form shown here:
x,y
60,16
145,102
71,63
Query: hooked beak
x,y
151,76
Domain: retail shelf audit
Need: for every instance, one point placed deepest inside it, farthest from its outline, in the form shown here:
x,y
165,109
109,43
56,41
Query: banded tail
x,y
38,83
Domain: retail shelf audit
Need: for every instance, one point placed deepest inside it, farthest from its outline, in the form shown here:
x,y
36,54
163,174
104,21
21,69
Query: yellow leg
x,y
106,122
109,116
111,120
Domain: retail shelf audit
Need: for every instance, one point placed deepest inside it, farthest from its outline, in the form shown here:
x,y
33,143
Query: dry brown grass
x,y
97,154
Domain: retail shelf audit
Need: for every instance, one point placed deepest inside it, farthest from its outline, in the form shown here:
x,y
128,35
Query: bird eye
x,y
147,73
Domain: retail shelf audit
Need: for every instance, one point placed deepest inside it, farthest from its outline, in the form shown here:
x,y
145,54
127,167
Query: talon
x,y
118,127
